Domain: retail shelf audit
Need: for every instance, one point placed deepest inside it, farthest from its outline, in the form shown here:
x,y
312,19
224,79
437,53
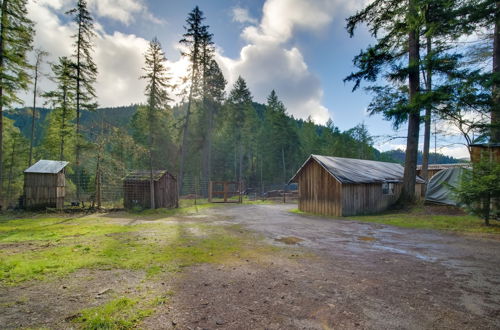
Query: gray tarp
x,y
438,189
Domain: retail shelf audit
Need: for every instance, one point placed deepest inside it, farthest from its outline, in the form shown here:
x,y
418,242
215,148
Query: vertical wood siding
x,y
138,193
319,192
44,190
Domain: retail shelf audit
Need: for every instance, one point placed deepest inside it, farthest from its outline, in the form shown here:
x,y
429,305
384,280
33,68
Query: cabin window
x,y
388,188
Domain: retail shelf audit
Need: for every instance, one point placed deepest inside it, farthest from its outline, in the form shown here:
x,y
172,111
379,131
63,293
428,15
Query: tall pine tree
x,y
16,36
61,130
85,74
156,91
193,39
396,25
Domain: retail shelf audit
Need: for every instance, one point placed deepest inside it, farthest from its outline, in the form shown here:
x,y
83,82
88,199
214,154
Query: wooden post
x,y
225,191
210,191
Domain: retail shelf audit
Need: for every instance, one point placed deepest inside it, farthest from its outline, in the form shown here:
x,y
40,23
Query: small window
x,y
388,188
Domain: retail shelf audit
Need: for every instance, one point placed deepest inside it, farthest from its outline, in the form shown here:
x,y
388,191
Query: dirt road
x,y
341,274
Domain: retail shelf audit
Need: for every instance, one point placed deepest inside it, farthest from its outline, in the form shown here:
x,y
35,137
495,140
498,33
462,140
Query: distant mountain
x,y
434,158
116,116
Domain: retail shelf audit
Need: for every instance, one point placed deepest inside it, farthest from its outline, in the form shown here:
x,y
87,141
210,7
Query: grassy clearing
x,y
415,218
43,248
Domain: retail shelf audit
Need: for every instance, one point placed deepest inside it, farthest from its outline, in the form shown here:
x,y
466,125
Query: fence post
x,y
210,191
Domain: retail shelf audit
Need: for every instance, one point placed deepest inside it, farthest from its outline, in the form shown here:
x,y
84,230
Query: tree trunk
x,y
495,113
33,113
410,169
11,169
185,134
428,113
3,23
78,95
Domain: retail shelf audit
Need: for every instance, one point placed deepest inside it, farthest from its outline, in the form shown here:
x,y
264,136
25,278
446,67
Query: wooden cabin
x,y
44,185
344,186
490,150
435,168
136,190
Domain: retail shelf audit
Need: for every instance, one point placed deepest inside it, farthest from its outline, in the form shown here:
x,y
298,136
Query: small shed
x,y
343,186
44,184
136,189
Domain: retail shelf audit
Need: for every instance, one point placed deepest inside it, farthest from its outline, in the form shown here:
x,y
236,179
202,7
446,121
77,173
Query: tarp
x,y
438,188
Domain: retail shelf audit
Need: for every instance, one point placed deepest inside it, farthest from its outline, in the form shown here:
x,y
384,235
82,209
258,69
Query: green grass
x,y
46,247
416,219
120,313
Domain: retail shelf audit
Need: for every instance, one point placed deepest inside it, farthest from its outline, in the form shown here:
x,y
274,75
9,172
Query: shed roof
x,y
145,175
47,167
352,171
444,166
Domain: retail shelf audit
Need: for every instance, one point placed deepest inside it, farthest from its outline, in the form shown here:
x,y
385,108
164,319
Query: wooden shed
x,y
44,184
136,190
490,150
344,186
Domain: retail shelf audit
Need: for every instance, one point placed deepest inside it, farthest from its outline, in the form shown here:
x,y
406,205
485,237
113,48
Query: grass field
x,y
418,218
40,248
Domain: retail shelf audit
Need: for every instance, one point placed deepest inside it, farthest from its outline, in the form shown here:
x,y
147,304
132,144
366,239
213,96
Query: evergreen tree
x,y
61,134
396,25
85,73
194,38
156,92
239,111
39,56
215,84
16,36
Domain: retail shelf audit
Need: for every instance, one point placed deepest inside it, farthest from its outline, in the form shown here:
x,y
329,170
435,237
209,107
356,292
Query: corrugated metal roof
x,y
145,175
349,170
444,166
47,166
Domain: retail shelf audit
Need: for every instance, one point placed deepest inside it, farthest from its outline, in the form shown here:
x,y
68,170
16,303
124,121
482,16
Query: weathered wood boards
x,y
342,186
136,192
45,185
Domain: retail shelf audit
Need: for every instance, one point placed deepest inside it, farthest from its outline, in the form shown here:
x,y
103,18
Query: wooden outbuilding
x,y
344,186
44,184
489,150
137,193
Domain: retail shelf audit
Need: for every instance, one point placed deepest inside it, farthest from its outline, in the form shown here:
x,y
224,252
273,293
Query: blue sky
x,y
298,47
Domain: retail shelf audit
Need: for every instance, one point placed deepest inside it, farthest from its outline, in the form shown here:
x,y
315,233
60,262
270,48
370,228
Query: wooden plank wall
x,y
44,190
319,192
138,193
367,198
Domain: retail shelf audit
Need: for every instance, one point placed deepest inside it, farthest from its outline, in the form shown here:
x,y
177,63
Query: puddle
x,y
290,240
401,251
366,238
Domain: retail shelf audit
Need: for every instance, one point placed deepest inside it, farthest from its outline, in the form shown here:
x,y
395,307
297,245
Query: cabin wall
x,y
367,198
44,190
319,192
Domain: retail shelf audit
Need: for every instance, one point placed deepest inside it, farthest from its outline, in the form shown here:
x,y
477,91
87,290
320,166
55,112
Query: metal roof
x,y
47,167
444,166
349,170
145,175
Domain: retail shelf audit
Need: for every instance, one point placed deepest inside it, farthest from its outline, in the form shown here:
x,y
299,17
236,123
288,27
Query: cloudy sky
x,y
298,47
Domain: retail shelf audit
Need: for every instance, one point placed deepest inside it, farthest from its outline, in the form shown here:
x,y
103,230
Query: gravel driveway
x,y
344,274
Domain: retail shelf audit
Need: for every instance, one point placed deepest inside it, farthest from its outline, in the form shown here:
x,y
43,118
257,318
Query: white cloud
x,y
241,15
119,57
120,10
267,61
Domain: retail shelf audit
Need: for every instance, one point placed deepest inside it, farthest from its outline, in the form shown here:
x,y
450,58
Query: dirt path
x,y
345,274
320,274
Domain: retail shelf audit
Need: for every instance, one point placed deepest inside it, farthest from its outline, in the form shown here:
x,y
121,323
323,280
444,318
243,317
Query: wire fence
x,y
108,191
